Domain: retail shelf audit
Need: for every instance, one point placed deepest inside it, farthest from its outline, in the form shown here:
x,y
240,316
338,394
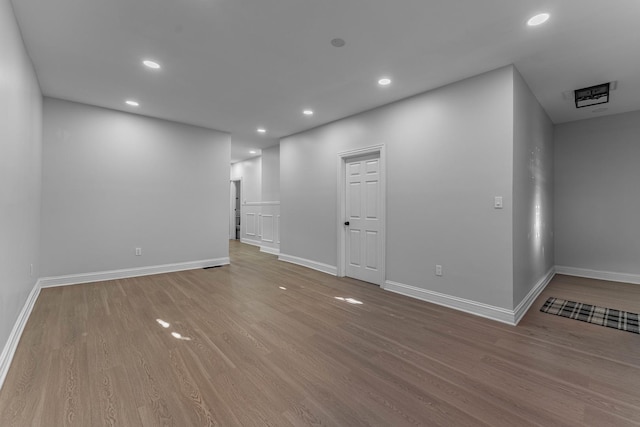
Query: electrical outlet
x,y
138,251
438,270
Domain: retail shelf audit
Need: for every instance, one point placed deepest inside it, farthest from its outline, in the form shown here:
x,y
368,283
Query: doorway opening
x,y
235,213
362,214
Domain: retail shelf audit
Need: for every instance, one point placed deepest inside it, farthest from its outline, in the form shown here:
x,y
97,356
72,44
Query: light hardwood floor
x,y
262,342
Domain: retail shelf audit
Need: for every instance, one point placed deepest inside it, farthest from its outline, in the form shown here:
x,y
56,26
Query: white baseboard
x,y
266,249
250,242
325,268
525,304
14,337
270,250
596,274
473,307
75,279
510,317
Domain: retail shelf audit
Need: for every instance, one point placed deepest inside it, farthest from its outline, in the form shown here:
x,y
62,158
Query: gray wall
x,y
449,152
597,199
114,181
250,171
532,191
271,174
20,172
20,169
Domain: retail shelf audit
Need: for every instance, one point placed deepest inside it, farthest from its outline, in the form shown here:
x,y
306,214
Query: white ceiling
x,y
234,65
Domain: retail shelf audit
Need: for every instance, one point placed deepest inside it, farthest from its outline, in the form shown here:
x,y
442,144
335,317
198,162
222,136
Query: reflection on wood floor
x,y
262,342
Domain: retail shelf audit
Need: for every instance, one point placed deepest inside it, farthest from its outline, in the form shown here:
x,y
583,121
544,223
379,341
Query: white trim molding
x,y
325,268
11,345
262,222
267,203
597,274
270,250
252,221
468,306
250,242
75,279
528,300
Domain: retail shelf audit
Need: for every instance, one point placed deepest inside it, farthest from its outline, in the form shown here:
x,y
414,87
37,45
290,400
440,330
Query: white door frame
x,y
343,157
232,207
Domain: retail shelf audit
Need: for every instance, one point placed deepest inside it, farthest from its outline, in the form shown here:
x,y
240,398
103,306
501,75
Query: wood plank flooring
x,y
262,342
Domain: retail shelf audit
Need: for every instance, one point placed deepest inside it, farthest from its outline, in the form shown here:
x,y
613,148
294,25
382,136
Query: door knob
x,y
346,223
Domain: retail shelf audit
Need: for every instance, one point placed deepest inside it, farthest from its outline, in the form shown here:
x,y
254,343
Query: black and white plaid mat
x,y
608,317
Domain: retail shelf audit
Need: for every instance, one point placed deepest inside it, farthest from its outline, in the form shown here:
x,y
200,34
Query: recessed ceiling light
x,y
261,130
384,81
252,152
308,112
132,103
151,64
541,18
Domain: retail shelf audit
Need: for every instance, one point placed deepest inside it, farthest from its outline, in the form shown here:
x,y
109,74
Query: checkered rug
x,y
608,317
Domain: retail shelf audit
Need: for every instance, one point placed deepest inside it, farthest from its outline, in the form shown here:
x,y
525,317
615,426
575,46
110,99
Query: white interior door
x,y
364,245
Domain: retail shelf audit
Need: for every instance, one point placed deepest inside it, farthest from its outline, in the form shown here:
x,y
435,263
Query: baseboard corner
x,y
314,265
10,347
491,312
530,298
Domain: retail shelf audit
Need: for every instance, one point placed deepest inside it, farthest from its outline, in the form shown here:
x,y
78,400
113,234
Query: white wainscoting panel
x,y
267,228
250,223
267,203
261,226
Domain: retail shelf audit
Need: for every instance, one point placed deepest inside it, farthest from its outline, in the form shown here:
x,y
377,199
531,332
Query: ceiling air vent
x,y
593,95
